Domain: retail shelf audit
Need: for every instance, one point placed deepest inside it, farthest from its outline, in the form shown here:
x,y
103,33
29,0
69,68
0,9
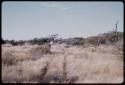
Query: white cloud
x,y
66,8
45,4
54,5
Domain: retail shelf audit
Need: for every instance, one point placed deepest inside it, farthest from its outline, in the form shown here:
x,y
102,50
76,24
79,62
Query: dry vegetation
x,y
75,64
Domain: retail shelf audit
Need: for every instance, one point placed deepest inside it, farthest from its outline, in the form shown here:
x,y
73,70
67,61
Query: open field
x,y
62,42
74,64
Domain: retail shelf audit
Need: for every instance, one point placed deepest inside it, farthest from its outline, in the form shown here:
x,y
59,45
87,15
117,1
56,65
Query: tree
x,y
54,36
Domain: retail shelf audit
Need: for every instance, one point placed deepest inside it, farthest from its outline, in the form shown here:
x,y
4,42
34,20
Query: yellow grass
x,y
103,64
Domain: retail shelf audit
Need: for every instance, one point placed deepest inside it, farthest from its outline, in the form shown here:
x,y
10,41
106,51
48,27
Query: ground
x,y
73,64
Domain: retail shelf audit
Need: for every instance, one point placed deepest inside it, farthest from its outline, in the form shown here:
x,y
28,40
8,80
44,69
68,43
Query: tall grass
x,y
36,64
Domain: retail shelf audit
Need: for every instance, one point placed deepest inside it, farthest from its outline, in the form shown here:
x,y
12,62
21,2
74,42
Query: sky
x,y
23,20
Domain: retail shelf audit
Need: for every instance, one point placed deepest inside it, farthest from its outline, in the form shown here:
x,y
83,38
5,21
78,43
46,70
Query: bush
x,y
75,41
26,72
8,58
36,52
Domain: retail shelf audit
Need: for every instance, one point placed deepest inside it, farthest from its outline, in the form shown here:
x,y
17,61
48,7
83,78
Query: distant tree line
x,y
13,42
103,38
75,41
38,41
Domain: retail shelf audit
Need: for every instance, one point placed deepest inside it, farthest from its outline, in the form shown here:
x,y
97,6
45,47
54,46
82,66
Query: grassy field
x,y
74,64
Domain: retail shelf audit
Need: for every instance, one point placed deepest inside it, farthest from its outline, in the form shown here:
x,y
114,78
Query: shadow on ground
x,y
57,78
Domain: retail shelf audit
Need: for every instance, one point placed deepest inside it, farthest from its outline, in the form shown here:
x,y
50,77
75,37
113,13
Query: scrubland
x,y
73,64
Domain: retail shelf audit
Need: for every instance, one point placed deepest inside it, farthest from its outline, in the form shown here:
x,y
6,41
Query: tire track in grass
x,y
55,70
45,70
67,78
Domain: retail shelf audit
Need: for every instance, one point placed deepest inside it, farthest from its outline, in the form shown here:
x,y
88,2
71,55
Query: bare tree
x,y
116,32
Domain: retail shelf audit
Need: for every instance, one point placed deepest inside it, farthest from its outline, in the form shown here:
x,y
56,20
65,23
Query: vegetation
x,y
40,62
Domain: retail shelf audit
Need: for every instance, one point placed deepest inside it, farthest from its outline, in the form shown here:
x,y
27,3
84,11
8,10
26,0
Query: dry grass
x,y
26,71
38,51
8,58
33,64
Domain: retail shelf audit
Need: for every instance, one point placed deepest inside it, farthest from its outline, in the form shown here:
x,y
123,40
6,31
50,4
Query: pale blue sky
x,y
27,20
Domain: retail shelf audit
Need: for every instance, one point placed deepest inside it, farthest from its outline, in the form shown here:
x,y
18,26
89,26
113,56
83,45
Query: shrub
x,y
8,58
26,72
36,52
93,49
75,41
